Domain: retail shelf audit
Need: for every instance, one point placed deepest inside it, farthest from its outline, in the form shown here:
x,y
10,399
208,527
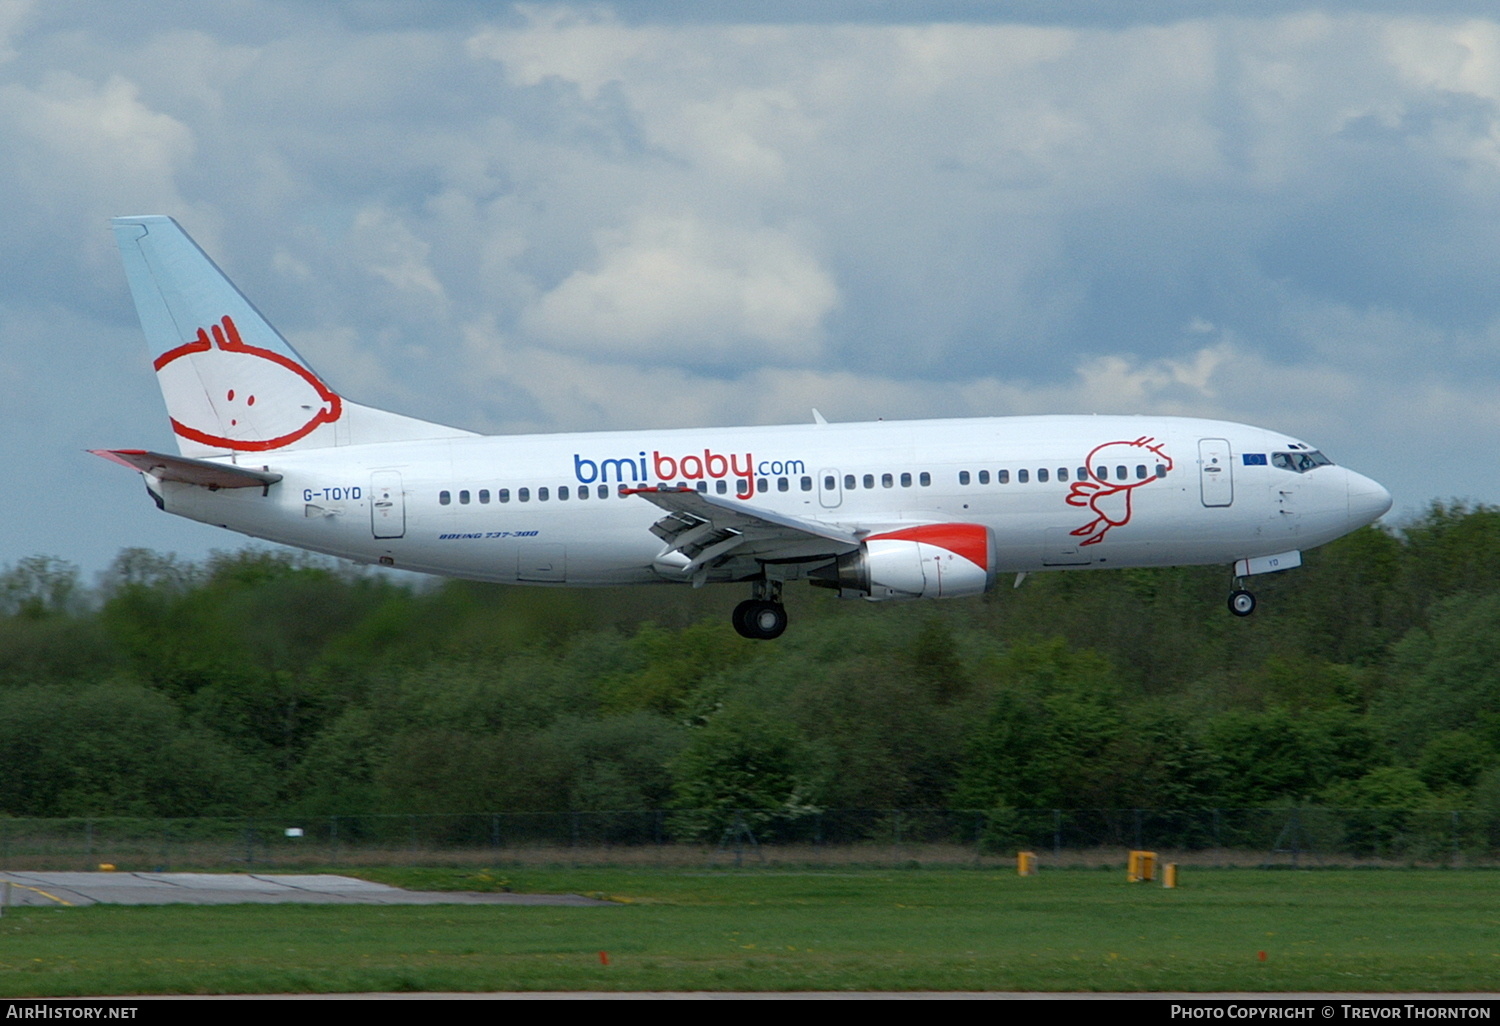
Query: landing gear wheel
x,y
1241,602
759,620
737,618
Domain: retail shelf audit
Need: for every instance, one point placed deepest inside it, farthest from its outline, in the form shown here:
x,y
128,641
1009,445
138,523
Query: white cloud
x,y
676,288
391,252
101,132
1440,54
586,47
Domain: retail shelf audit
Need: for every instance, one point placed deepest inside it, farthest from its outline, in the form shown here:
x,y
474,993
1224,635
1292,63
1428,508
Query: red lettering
x,y
710,464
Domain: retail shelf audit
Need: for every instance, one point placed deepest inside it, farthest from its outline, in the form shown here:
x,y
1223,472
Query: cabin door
x,y
1215,472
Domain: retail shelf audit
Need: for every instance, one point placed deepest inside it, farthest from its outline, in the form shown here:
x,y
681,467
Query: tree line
x,y
263,680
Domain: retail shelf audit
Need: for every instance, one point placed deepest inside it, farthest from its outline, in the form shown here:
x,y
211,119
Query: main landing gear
x,y
1241,602
761,617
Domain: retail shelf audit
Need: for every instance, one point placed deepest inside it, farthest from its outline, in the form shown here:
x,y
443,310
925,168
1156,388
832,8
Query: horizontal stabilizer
x,y
204,473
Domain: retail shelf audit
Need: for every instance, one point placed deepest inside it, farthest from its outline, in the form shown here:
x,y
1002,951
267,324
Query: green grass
x,y
817,930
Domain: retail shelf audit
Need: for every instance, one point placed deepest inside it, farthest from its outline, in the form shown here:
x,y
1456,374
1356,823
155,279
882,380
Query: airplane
x,y
883,511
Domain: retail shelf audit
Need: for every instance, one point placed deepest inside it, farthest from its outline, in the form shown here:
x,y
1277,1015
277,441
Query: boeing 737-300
x,y
883,510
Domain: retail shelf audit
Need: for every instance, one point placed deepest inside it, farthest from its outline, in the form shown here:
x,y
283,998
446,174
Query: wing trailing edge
x,y
703,531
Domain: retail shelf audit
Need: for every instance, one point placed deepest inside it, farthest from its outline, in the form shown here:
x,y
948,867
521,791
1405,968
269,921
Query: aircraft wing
x,y
205,473
702,531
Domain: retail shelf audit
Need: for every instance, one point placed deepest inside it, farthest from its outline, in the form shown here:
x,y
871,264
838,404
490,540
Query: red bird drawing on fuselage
x,y
1110,500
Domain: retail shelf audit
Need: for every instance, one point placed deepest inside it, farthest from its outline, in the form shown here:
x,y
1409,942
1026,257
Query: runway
x,y
66,890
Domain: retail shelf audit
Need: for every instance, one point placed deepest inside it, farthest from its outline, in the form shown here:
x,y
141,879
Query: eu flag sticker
x,y
1254,459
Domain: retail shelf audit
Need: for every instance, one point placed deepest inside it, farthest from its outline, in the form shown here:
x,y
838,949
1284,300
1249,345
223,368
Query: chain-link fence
x,y
1294,836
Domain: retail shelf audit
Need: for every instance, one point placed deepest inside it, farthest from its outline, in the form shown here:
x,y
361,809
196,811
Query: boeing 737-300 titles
x,y
883,510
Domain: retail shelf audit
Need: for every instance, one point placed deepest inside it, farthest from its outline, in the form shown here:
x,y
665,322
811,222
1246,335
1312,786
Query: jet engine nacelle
x,y
929,561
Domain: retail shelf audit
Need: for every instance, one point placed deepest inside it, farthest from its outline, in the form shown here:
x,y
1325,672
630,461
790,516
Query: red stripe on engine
x,y
971,541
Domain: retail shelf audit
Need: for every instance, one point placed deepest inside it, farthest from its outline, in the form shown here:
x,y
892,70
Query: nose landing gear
x,y
1241,602
761,617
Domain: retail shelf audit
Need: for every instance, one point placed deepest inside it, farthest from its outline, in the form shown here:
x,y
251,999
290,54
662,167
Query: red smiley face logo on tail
x,y
1110,500
225,393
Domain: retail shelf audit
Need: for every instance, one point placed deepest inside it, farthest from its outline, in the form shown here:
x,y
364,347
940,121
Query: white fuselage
x,y
1155,491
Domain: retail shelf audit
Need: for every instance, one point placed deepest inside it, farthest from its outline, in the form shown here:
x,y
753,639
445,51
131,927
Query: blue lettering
x,y
589,471
619,469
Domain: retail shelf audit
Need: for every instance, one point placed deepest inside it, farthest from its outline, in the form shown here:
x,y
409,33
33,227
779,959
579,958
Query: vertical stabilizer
x,y
230,381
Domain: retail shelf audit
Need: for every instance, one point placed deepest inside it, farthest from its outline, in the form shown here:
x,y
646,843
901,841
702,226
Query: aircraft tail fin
x,y
230,381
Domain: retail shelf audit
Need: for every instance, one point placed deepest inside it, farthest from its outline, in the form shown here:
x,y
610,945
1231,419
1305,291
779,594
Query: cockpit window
x,y
1300,462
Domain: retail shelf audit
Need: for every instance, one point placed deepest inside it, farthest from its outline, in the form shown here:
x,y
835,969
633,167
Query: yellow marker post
x,y
1141,867
1169,875
1026,863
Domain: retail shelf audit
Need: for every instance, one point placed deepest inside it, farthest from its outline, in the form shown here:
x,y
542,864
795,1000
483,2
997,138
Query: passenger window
x,y
523,494
924,479
743,486
703,487
984,477
963,477
1120,474
444,498
887,481
782,484
1002,476
807,484
1062,473
541,495
503,495
1083,473
1041,475
583,491
1022,477
562,493
869,480
463,497
1140,472
484,496
906,479
721,487
829,484
603,492
1102,473
763,487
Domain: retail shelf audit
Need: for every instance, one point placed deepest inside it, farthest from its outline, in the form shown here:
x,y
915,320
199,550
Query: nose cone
x,y
1368,500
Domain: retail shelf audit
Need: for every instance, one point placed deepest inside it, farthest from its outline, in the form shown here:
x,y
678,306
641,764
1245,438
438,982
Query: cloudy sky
x,y
550,217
